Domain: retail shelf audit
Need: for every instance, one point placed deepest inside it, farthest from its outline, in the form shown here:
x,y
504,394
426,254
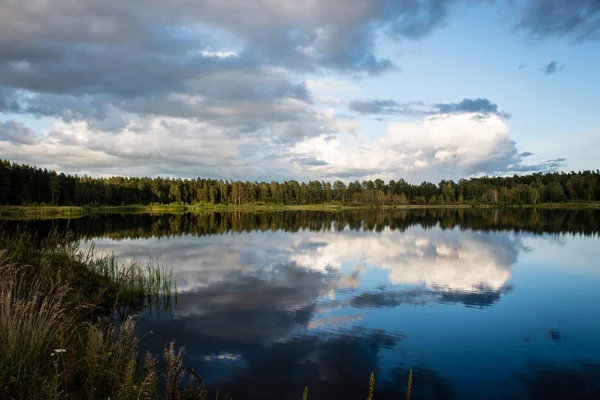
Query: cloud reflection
x,y
442,260
262,286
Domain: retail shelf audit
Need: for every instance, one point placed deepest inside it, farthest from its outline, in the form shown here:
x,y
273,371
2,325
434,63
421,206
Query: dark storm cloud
x,y
107,53
16,132
128,49
577,20
392,107
551,68
226,64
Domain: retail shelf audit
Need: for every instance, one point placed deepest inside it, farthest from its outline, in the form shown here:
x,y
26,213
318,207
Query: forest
x,y
25,185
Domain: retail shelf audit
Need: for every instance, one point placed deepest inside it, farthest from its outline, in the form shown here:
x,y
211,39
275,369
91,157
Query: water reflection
x,y
415,266
443,260
546,382
137,226
479,304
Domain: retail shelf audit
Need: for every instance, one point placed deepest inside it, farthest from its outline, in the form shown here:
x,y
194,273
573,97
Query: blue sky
x,y
261,90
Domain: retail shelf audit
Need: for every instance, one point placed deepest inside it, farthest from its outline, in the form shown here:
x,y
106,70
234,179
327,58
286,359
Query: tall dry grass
x,y
35,319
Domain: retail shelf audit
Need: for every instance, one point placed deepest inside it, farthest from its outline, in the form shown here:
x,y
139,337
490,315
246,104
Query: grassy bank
x,y
74,212
58,333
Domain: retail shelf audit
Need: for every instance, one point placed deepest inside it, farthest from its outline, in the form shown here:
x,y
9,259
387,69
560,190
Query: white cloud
x,y
332,147
442,260
152,145
434,147
219,54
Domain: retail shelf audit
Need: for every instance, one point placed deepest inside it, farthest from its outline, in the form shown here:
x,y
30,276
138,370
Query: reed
x,y
409,386
137,288
174,373
371,386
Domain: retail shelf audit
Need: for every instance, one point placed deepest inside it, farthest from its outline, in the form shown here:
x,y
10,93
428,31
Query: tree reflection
x,y
134,226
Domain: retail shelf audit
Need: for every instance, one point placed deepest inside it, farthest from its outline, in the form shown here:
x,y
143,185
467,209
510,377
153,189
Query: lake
x,y
479,304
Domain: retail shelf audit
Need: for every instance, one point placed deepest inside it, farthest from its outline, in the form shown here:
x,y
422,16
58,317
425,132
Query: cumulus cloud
x,y
435,147
16,133
214,88
171,146
177,146
227,65
121,72
389,106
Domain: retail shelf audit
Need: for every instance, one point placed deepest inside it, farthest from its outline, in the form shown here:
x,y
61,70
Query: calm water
x,y
487,304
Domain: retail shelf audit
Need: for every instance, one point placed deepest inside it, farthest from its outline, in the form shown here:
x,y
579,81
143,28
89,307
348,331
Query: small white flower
x,y
60,350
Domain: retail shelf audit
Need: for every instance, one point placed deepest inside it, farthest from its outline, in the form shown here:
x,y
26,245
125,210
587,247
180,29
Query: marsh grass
x,y
138,288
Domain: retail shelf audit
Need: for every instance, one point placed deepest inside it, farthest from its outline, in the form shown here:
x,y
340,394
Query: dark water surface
x,y
484,304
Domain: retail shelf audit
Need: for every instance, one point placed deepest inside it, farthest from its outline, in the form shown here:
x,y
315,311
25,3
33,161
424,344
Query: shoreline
x,y
75,212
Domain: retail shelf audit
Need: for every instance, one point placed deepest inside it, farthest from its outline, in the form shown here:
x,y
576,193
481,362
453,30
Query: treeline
x,y
28,185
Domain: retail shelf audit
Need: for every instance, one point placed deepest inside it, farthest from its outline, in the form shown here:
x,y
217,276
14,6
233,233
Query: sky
x,y
301,89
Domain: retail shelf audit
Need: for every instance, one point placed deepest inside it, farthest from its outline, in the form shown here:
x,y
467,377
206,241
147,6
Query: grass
x,y
140,288
58,336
